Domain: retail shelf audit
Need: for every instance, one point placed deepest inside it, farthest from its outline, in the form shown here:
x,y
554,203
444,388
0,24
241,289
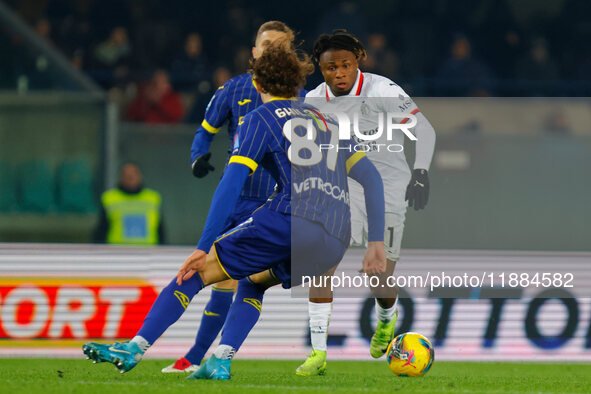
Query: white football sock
x,y
386,315
141,343
224,352
319,313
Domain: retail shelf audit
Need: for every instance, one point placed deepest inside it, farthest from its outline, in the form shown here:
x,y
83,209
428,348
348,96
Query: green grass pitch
x,y
43,376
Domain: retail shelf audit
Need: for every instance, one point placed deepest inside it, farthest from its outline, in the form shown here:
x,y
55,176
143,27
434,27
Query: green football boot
x,y
315,364
382,337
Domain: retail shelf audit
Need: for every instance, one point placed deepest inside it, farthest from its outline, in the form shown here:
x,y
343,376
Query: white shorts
x,y
394,220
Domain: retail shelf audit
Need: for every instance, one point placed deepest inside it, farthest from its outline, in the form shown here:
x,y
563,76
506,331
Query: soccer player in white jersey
x,y
338,56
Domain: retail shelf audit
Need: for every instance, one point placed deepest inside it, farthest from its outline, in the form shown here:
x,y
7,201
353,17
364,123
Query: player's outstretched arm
x,y
364,172
223,203
425,145
417,192
193,263
217,112
200,154
374,260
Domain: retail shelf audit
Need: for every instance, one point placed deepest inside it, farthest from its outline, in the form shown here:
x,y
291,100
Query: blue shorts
x,y
242,211
290,247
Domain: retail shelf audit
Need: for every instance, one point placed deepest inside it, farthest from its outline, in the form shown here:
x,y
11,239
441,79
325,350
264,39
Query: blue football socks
x,y
169,307
212,321
243,314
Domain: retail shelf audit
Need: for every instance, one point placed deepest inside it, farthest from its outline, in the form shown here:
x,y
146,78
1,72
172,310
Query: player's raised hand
x,y
417,191
191,265
201,166
374,261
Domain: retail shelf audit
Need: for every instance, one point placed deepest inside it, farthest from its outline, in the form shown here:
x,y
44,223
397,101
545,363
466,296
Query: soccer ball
x,y
410,354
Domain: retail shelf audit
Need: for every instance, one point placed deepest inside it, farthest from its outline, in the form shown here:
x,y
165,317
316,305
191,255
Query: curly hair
x,y
339,40
280,72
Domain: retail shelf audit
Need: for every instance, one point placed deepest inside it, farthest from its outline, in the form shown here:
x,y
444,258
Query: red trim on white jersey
x,y
360,84
412,113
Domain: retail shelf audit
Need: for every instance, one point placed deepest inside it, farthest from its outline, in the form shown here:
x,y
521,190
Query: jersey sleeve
x,y
216,113
350,156
250,142
396,100
223,203
218,110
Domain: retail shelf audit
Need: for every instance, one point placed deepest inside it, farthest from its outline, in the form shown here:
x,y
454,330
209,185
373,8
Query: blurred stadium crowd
x,y
178,52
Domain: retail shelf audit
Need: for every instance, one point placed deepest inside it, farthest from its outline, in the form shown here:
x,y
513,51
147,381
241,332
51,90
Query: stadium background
x,y
509,173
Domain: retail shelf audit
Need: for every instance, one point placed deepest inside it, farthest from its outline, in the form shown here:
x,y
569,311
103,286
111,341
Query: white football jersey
x,y
373,96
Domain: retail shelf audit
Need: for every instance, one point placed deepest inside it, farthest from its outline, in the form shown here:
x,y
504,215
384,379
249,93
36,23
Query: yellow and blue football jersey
x,y
231,102
311,182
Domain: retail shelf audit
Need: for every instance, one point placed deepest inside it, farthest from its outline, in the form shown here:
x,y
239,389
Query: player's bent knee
x,y
212,271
